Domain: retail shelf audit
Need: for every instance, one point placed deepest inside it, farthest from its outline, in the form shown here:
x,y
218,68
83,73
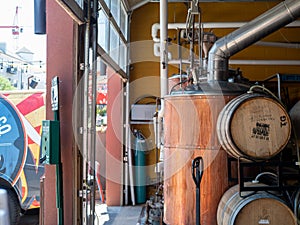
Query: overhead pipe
x,y
270,21
212,25
181,26
156,47
266,62
246,62
180,61
278,44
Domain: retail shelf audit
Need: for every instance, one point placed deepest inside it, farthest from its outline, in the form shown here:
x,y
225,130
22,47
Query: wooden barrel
x,y
259,208
190,131
253,126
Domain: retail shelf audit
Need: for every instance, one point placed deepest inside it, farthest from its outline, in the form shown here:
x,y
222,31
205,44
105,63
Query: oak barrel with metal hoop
x,y
253,126
259,208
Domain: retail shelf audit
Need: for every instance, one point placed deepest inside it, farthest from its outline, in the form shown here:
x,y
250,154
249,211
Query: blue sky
x,y
25,19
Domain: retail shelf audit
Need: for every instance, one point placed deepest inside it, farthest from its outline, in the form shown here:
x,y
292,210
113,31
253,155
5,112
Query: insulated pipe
x,y
266,62
218,25
163,67
278,44
129,182
156,51
127,147
163,47
156,47
270,21
247,62
129,179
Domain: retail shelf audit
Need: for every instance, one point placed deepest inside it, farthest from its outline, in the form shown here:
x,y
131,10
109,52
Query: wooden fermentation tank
x,y
190,131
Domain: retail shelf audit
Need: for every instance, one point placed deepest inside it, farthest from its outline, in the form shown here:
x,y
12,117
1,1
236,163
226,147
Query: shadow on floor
x,y
30,217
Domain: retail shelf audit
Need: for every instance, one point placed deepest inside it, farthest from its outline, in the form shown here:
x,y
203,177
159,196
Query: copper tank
x,y
190,131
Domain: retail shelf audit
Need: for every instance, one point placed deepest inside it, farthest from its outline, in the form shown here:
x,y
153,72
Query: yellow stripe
x,y
24,185
17,98
37,116
35,150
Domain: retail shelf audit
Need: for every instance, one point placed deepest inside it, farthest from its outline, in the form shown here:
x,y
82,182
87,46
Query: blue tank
x,y
140,148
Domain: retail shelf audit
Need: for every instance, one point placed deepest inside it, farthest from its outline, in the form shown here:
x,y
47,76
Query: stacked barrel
x,y
253,127
257,208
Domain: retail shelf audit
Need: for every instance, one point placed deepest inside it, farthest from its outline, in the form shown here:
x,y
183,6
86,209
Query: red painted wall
x,y
49,204
60,63
114,139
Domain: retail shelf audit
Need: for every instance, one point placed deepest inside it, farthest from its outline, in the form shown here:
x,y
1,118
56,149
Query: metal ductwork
x,y
270,21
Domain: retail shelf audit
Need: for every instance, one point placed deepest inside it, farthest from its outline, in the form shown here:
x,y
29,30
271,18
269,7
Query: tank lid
x,y
214,88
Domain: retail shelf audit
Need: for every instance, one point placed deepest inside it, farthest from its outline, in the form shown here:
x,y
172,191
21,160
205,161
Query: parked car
x,y
21,116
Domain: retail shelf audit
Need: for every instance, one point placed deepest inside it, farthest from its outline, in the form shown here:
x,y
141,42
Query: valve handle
x,y
197,170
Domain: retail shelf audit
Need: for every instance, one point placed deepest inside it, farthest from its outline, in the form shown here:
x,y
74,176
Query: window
x,y
115,10
80,3
112,31
123,23
103,31
123,56
107,2
114,44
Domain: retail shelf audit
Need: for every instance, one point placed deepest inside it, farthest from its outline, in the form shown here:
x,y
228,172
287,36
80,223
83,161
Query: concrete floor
x,y
117,215
106,215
